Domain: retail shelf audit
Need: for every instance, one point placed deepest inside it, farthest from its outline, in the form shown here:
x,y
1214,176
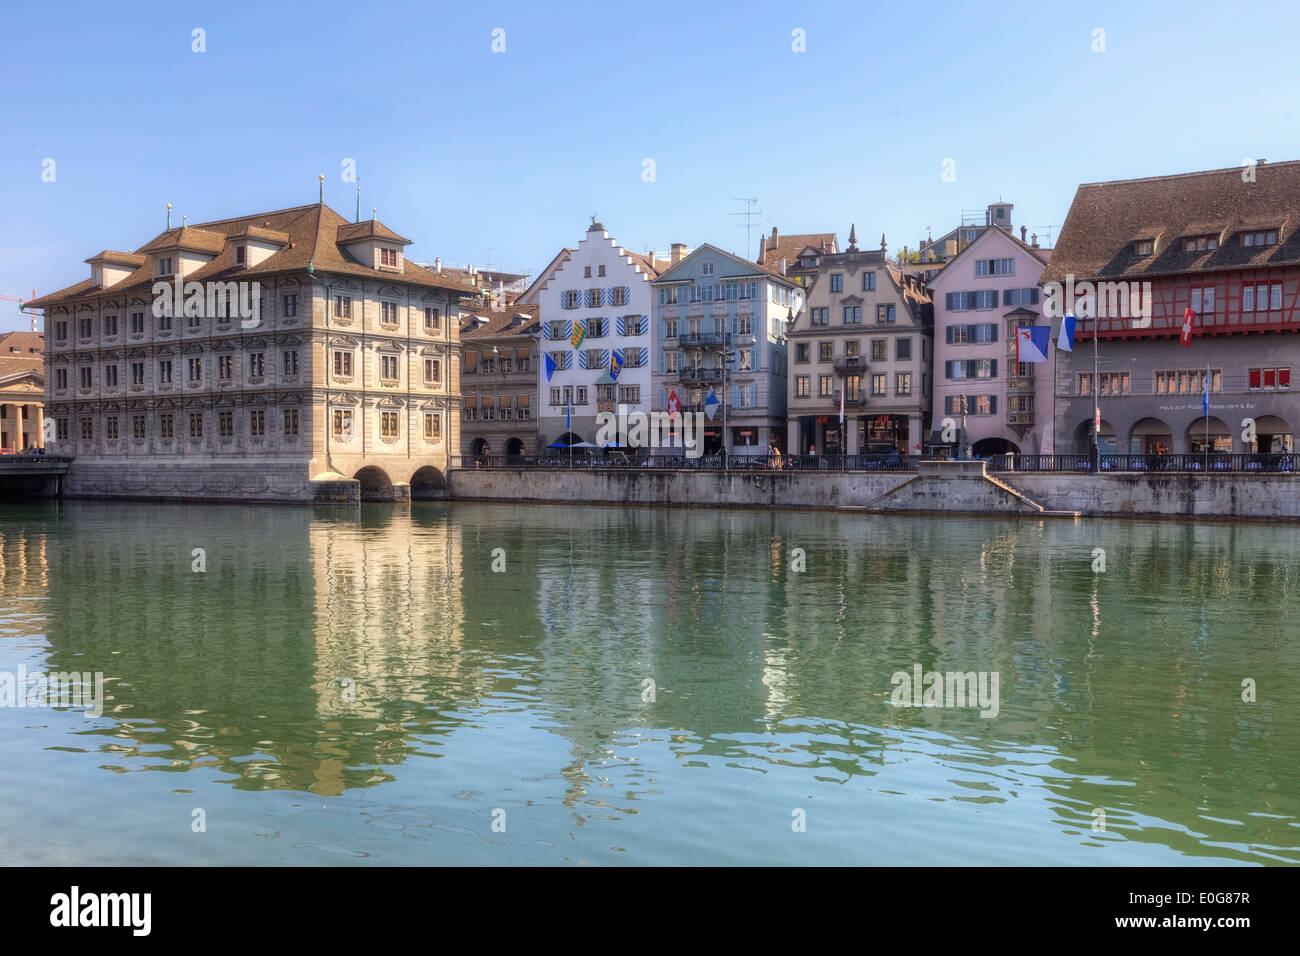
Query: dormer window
x,y
388,257
241,255
165,266
1144,247
1266,237
1200,243
706,269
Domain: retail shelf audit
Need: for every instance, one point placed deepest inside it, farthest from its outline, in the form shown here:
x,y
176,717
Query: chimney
x,y
782,265
437,265
1023,230
678,252
1034,242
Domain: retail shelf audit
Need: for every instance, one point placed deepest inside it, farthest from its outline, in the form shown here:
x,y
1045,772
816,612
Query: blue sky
x,y
465,150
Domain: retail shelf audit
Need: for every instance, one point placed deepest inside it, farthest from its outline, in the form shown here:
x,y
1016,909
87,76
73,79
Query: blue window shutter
x,y
753,396
993,368
948,331
993,328
546,331
1033,296
618,325
663,363
993,404
604,358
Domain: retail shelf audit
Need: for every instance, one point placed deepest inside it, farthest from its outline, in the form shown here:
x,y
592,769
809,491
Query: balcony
x,y
1020,381
852,399
850,364
1020,418
700,375
697,340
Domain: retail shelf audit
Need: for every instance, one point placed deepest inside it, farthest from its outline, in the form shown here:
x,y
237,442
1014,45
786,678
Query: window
x,y
1143,247
995,267
343,306
343,363
137,323
138,426
164,266
1178,382
825,385
110,376
257,422
86,376
878,384
196,424
165,372
706,269
903,349
853,348
87,429
821,317
471,409
388,313
1200,243
196,369
60,378
586,272
1273,378
164,323
801,351
225,425
61,429
388,367
432,320
837,282
342,423
986,299
853,315
137,373
1020,296
884,313
433,371
290,306
61,330
291,421
1261,238
971,368
629,394
802,386
432,426
388,257
289,361
571,299
110,325
1202,300
903,383
225,367
825,351
620,295
110,426
1261,297
600,271
580,396
555,396
256,363
166,426
746,359
960,301
85,328
868,282
597,328
241,255
388,424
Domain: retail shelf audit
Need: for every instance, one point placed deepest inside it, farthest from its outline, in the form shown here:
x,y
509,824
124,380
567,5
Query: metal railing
x,y
588,458
1250,462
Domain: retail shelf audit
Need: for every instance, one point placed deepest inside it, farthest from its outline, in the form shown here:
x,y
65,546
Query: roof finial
x,y
883,247
169,215
374,213
593,218
183,219
853,237
358,199
322,189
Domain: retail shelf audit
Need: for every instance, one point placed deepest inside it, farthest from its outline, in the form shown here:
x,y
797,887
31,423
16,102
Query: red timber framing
x,y
1172,295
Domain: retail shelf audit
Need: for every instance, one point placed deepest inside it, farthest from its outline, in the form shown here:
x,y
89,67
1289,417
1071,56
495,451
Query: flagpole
x,y
1096,397
1207,414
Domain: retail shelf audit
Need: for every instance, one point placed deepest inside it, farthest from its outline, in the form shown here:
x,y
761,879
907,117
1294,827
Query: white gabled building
x,y
604,289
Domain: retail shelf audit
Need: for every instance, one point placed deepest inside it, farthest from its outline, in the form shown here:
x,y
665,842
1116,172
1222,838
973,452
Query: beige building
x,y
302,351
22,390
499,381
864,335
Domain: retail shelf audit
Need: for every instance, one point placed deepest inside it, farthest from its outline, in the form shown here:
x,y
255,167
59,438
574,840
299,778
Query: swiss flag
x,y
1189,320
674,403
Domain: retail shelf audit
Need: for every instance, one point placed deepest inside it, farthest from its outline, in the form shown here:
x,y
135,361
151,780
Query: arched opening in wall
x,y
568,438
375,484
994,446
427,484
1272,436
514,447
1151,436
1083,438
1218,438
477,445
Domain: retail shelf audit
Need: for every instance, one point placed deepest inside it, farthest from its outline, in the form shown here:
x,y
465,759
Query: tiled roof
x,y
186,237
24,360
121,258
650,265
369,229
312,234
1106,219
772,250
499,323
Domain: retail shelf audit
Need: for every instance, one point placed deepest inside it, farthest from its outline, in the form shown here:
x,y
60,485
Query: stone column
x,y
851,434
915,440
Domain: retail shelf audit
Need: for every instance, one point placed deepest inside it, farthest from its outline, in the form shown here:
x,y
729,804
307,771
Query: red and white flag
x,y
1189,321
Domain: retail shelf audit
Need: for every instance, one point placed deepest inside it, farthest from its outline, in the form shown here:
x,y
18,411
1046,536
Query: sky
x,y
828,113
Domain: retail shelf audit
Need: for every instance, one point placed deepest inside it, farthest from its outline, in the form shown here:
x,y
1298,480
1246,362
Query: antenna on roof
x,y
169,215
358,199
322,188
749,214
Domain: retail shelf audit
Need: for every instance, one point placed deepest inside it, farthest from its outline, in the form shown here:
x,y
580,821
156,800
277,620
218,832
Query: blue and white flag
x,y
710,405
1065,340
550,367
615,364
1205,399
568,417
1032,342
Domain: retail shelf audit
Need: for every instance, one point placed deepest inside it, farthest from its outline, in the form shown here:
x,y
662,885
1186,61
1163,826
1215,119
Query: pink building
x,y
983,402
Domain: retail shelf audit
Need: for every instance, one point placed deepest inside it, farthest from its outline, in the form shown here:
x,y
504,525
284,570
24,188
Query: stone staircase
x,y
962,487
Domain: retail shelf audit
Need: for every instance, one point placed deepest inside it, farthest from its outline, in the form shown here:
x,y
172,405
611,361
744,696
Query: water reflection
x,y
670,652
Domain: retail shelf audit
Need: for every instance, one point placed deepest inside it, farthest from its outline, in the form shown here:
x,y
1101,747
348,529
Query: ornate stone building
x,y
302,351
22,389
